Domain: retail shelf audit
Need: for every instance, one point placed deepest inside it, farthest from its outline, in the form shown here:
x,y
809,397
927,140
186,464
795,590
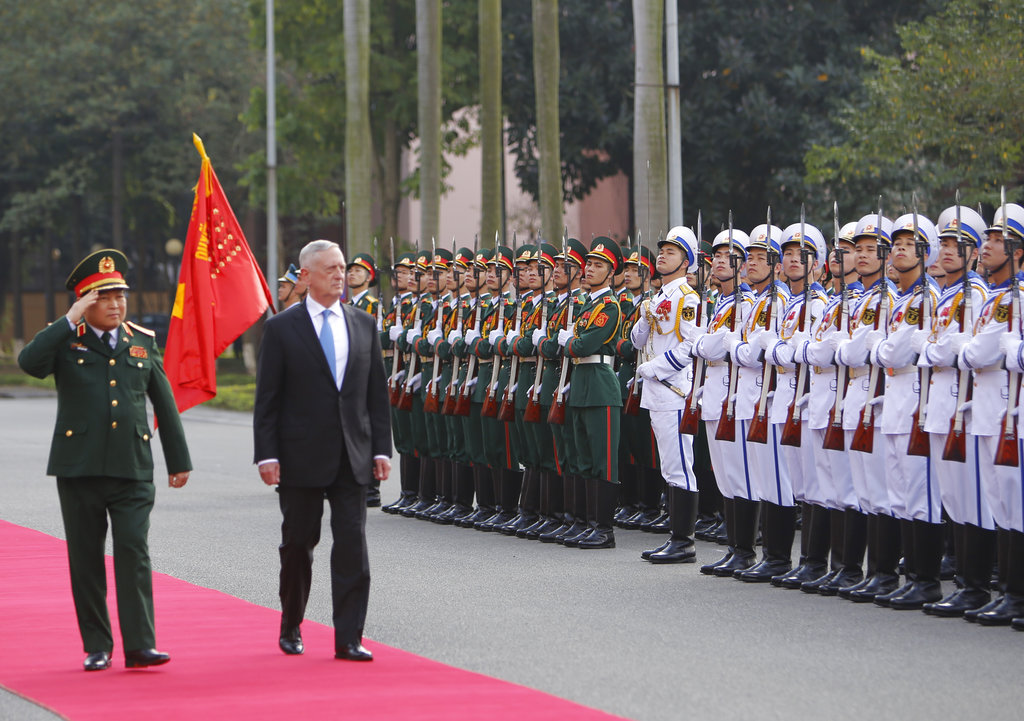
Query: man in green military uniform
x,y
594,394
104,368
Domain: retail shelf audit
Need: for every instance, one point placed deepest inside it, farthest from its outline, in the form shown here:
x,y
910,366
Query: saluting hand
x,y
77,310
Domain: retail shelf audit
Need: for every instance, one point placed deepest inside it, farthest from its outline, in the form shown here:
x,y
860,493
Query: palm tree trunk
x,y
546,64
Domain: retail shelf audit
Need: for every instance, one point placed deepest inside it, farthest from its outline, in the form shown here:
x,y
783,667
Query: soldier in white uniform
x,y
959,481
728,457
984,354
803,251
913,491
664,335
872,240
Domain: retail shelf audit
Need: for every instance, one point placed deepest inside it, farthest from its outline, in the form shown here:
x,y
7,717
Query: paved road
x,y
601,628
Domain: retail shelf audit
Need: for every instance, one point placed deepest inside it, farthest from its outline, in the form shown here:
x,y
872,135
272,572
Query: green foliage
x,y
942,114
311,93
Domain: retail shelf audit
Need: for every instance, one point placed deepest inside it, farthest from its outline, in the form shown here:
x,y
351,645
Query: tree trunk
x,y
428,72
358,143
117,191
491,131
650,200
546,65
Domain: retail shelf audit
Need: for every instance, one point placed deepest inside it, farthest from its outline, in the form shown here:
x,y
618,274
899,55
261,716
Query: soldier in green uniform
x,y
359,278
104,369
640,497
594,395
290,288
401,429
572,499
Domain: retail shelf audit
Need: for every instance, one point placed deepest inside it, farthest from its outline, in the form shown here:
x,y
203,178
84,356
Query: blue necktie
x,y
327,343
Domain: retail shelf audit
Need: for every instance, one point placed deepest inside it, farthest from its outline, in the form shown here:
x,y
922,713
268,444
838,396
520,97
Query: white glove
x,y
564,336
732,339
919,339
394,332
434,335
472,336
539,337
495,335
511,337
646,370
412,334
453,336
873,338
768,339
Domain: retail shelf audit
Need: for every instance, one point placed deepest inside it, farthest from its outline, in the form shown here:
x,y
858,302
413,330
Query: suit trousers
x,y
303,509
85,504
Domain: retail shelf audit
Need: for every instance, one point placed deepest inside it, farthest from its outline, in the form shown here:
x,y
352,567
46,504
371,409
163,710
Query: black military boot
x,y
860,527
603,534
551,513
680,547
909,564
1000,573
885,547
462,488
543,505
728,506
649,501
817,536
929,543
629,491
443,499
508,485
485,503
745,514
806,511
567,518
778,531
1011,606
529,504
974,553
428,489
850,573
586,510
408,478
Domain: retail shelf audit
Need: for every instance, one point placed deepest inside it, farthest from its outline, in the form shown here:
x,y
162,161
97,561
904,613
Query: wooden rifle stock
x,y
1006,450
632,405
792,426
835,438
864,436
689,422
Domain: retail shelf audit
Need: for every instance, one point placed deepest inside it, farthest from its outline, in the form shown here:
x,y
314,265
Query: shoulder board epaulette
x,y
144,331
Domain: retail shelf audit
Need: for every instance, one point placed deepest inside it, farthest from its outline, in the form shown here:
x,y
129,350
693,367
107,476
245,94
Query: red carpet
x,y
225,662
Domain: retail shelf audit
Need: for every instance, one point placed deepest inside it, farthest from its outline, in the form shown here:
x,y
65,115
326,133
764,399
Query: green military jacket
x,y
102,428
595,333
367,302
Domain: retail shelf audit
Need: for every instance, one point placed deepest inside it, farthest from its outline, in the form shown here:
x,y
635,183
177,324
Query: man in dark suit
x,y
322,421
104,369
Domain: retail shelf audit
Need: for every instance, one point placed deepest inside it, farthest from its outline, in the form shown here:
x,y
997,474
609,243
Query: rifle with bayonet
x,y
395,385
632,404
727,423
1006,450
405,399
791,427
507,409
758,432
864,435
919,445
835,438
533,405
464,399
557,413
490,407
689,420
955,448
431,399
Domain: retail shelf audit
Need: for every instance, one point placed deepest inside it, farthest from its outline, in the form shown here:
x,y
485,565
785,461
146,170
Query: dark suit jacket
x,y
300,417
102,428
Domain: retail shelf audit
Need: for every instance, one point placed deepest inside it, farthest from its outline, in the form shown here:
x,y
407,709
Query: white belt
x,y
714,364
606,359
900,371
858,372
989,369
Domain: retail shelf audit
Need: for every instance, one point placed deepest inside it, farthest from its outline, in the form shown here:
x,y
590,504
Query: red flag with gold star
x,y
221,292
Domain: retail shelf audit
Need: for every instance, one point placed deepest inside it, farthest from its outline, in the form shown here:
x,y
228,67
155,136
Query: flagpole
x,y
271,273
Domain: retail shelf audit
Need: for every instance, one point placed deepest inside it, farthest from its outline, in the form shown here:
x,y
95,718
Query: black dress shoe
x,y
291,642
920,593
885,599
972,615
648,553
601,537
574,541
1011,607
845,578
814,584
1017,624
850,590
878,585
740,561
353,652
708,569
675,551
958,603
809,571
145,657
98,661
765,571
